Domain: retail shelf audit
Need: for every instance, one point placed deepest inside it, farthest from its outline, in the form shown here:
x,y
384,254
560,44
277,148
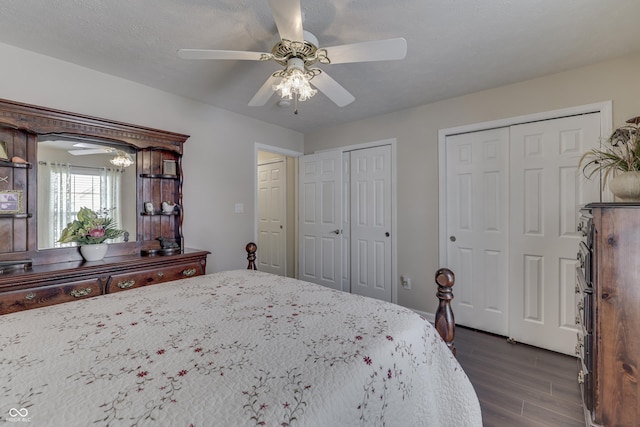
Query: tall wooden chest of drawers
x,y
608,303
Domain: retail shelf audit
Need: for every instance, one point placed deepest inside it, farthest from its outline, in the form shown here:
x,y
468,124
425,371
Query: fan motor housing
x,y
305,50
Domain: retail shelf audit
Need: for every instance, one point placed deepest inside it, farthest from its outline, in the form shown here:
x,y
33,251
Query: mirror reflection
x,y
76,173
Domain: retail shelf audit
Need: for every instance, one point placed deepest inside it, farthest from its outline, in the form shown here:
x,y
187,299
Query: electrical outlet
x,y
406,282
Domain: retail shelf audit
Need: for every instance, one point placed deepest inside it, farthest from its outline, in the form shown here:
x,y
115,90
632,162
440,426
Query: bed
x,y
235,348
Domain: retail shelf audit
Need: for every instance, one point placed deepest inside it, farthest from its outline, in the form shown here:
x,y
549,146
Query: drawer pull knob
x,y
189,272
126,284
81,292
160,274
30,296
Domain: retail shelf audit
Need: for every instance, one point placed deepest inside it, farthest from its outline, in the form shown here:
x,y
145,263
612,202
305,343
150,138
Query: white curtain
x,y
110,195
55,202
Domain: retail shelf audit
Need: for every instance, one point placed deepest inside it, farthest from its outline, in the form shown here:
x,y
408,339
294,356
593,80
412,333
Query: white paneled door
x,y
512,197
370,224
477,228
320,218
271,218
346,220
547,189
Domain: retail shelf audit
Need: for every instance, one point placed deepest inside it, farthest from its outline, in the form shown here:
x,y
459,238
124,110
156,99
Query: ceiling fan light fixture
x,y
121,159
295,81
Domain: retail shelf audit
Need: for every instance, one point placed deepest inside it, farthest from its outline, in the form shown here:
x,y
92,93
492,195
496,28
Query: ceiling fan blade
x,y
332,89
378,50
89,151
239,55
264,93
87,145
288,17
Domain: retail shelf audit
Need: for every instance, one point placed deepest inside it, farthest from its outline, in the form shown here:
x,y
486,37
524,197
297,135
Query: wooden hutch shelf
x,y
59,275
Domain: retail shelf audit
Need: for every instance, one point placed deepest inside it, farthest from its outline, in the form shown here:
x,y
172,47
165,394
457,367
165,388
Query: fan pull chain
x,y
295,103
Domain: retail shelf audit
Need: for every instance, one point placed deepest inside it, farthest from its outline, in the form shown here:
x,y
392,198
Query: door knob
x,y
336,231
386,234
452,238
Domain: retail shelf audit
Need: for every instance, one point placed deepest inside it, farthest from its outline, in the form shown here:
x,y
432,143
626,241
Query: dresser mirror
x,y
75,172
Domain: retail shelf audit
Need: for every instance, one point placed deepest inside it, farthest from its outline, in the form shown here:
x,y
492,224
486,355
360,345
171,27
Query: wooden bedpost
x,y
445,321
251,255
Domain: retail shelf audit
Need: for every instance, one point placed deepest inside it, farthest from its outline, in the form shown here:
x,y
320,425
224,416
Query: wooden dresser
x,y
56,283
608,302
32,276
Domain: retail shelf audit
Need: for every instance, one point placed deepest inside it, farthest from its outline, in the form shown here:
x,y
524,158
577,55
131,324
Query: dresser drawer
x,y
48,295
136,279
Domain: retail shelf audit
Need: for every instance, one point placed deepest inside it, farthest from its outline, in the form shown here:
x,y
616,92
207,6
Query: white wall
x,y
218,157
416,131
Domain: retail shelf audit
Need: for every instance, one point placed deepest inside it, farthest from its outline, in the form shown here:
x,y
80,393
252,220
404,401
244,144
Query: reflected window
x,y
76,173
74,187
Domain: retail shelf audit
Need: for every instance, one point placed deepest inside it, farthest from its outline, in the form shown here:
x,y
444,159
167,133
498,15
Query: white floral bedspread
x,y
237,348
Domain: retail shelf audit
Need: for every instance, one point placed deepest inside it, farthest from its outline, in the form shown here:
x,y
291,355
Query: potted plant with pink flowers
x,y
89,231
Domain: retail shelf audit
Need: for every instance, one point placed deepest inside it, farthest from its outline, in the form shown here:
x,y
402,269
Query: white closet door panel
x,y
320,217
547,189
272,216
477,215
370,177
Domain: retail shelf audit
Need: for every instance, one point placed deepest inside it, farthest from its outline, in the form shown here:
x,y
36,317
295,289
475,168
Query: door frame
x,y
605,109
286,152
394,202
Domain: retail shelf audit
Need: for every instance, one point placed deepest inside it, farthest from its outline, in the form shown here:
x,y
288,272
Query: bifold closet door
x,y
547,189
345,209
370,224
477,227
512,200
320,218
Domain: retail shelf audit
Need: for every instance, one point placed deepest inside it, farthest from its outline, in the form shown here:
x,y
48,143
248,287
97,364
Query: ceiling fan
x,y
122,158
86,149
298,50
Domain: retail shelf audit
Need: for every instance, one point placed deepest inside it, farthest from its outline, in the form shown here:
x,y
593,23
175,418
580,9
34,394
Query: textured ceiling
x,y
455,47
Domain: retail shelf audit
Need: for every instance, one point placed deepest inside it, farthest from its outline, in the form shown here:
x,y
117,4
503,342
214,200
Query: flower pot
x,y
94,252
626,186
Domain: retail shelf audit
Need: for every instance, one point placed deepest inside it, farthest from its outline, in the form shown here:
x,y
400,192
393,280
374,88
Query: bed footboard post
x,y
445,321
251,255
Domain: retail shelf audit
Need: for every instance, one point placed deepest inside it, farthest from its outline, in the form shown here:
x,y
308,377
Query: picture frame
x,y
169,167
4,154
11,202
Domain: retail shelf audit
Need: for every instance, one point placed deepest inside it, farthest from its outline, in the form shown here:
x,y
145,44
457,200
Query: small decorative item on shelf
x,y
169,167
168,243
18,160
4,154
90,231
11,202
167,247
148,207
168,207
618,160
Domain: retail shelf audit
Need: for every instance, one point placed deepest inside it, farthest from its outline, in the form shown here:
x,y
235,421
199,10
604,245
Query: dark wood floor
x,y
520,385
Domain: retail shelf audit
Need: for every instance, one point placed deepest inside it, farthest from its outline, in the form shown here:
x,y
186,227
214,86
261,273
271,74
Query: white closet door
x,y
370,187
477,227
271,218
320,218
547,189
